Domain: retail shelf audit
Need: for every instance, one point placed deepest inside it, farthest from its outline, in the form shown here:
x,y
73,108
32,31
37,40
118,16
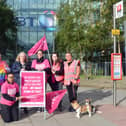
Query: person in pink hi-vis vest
x,y
71,78
58,73
71,81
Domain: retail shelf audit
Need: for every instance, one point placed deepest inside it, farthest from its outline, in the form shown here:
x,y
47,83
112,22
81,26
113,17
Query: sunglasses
x,y
10,76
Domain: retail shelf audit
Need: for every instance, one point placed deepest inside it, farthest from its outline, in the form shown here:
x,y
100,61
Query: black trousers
x,y
72,92
52,84
9,113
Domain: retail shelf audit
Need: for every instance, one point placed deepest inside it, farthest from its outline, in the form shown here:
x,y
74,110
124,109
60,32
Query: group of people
x,y
58,73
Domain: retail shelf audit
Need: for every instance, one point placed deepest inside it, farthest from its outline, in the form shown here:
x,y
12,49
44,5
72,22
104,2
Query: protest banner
x,y
32,89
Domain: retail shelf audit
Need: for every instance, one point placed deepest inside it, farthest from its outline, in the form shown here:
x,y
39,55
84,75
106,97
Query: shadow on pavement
x,y
121,101
31,111
94,95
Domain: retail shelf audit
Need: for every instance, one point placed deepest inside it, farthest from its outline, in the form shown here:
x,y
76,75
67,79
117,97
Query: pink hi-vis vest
x,y
57,68
70,73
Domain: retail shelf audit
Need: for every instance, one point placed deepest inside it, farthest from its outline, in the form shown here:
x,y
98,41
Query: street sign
x,y
117,13
118,9
115,32
116,66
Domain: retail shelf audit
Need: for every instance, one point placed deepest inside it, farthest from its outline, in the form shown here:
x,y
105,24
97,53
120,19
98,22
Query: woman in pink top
x,y
42,64
9,98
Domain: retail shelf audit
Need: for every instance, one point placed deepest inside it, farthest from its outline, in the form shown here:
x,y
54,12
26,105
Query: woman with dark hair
x,y
9,98
42,64
58,73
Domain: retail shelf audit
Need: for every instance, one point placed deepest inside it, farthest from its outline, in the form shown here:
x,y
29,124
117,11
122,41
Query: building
x,y
34,18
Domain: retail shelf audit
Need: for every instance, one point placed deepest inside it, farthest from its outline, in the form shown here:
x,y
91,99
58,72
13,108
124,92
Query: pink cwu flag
x,y
53,99
45,11
45,46
53,13
41,44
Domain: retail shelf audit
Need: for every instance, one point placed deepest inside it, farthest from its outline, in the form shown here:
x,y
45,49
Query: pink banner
x,y
53,99
32,89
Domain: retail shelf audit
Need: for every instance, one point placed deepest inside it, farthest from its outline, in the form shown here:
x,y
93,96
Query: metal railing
x,y
100,68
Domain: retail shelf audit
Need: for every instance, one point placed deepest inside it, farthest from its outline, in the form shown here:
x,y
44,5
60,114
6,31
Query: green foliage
x,y
8,30
85,27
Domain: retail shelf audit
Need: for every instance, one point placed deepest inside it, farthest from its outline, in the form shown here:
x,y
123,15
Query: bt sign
x,y
47,22
25,21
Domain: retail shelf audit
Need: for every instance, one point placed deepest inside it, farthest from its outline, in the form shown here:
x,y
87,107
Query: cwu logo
x,y
47,22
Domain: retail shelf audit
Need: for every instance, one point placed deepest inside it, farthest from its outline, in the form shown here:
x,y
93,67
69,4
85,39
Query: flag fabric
x,y
34,49
45,46
45,11
41,44
53,99
53,13
2,74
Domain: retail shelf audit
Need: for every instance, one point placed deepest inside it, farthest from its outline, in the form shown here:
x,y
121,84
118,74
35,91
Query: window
x,y
33,37
17,4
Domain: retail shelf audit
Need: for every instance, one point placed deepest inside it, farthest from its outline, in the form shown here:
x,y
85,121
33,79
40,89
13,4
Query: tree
x,y
82,33
8,30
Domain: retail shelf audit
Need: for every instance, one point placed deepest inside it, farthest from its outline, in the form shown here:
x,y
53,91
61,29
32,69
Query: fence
x,y
99,68
91,68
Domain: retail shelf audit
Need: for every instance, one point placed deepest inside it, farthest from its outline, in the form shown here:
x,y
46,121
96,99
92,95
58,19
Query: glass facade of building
x,y
34,18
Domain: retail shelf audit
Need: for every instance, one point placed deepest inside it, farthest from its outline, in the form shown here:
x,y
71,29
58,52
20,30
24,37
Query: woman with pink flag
x,y
42,64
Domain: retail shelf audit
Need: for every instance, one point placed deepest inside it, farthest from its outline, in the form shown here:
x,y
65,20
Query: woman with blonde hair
x,y
21,64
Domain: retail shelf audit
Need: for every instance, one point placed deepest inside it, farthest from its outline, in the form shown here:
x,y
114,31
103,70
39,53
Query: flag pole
x,y
53,44
49,54
47,44
49,57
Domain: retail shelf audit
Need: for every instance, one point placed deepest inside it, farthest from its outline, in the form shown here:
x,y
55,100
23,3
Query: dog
x,y
87,108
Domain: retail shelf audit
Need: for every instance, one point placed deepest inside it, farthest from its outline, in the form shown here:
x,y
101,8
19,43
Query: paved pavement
x,y
107,115
102,82
116,115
